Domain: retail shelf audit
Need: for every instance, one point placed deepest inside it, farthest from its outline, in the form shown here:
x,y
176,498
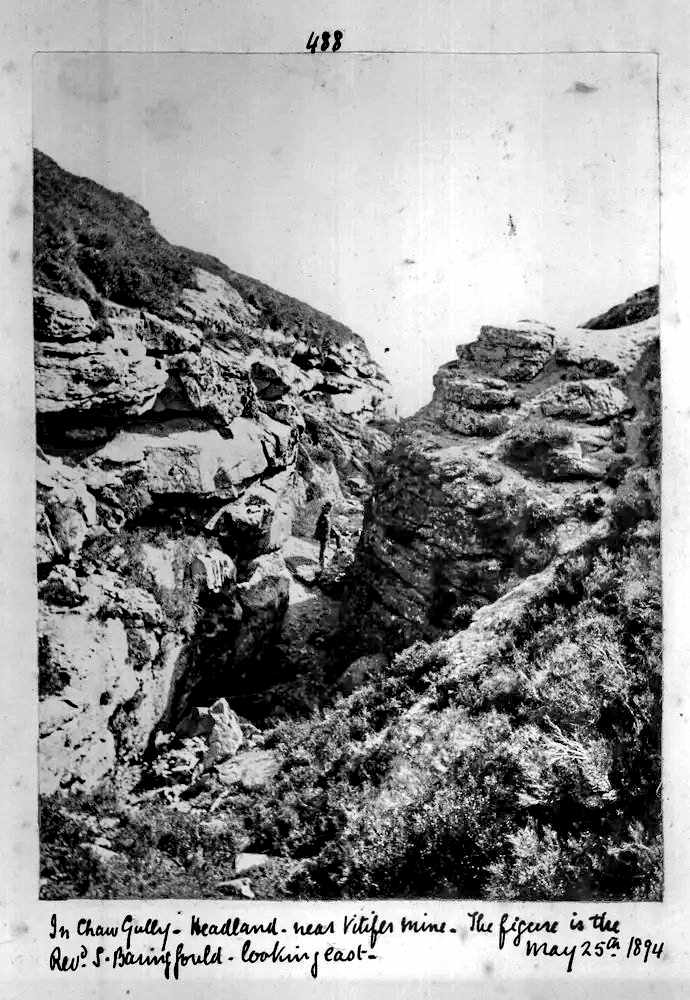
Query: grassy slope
x,y
93,243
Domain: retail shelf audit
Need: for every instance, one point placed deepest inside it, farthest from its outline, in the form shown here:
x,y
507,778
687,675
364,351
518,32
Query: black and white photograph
x,y
348,455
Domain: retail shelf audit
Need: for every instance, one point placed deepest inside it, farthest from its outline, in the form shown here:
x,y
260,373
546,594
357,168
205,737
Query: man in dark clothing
x,y
324,531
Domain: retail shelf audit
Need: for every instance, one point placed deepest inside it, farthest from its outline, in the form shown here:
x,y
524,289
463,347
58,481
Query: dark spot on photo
x,y
89,78
165,120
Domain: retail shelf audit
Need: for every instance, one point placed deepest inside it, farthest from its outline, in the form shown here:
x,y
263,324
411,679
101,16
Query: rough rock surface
x,y
221,728
190,422
264,600
512,463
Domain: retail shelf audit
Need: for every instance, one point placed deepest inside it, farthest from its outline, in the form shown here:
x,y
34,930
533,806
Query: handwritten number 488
x,y
325,39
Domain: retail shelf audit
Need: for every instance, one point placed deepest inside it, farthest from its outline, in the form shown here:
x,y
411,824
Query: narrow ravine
x,y
455,705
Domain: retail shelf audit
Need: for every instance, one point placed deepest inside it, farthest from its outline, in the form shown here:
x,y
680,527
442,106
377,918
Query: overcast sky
x,y
412,197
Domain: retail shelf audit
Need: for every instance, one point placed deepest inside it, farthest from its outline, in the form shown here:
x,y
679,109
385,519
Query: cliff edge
x,y
191,423
465,704
516,461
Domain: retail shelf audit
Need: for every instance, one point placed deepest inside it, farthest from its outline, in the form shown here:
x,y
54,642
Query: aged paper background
x,y
216,25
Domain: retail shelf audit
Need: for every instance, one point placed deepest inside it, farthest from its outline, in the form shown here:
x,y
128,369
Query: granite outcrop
x,y
514,462
183,441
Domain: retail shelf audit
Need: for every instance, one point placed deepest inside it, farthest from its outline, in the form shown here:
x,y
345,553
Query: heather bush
x,y
546,785
156,852
95,243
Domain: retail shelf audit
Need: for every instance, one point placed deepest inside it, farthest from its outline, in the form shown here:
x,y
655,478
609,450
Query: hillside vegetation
x,y
464,700
95,243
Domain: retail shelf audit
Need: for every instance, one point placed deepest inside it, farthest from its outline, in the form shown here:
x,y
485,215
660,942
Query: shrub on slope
x,y
95,243
555,793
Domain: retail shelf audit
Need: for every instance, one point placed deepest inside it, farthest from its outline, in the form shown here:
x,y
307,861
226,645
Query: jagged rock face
x,y
85,369
264,599
182,441
513,462
115,633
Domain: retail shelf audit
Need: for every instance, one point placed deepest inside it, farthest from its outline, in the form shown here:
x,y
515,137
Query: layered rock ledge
x,y
187,432
514,462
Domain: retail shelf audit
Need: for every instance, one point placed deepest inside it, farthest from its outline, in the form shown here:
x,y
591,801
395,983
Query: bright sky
x,y
412,197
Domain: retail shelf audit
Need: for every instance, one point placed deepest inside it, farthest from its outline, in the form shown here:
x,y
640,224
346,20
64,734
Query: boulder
x,y
91,654
164,337
238,888
159,563
77,754
66,510
361,670
260,520
188,461
594,401
514,354
309,623
249,769
214,569
551,450
284,411
224,741
355,400
101,852
61,587
269,383
246,861
264,600
213,304
60,318
471,406
474,424
219,726
206,382
113,598
480,393
78,378
301,558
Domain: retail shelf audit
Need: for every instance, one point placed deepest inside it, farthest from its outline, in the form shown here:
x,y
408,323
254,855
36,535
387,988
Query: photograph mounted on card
x,y
348,436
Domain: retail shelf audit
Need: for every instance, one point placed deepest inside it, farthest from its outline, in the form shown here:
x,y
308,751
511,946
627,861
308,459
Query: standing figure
x,y
324,531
